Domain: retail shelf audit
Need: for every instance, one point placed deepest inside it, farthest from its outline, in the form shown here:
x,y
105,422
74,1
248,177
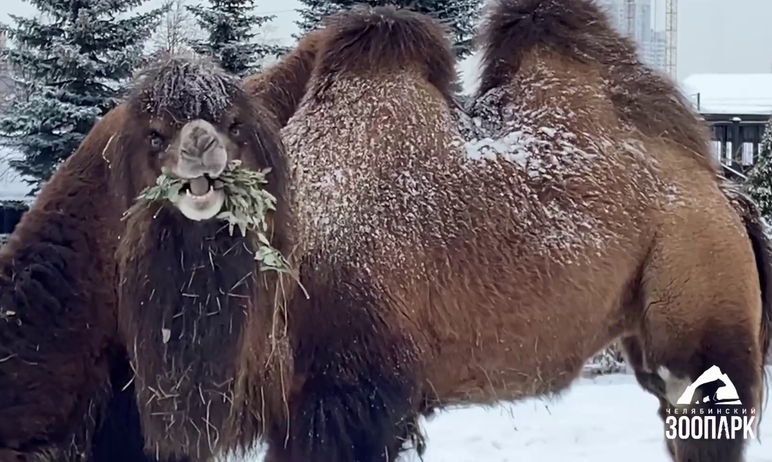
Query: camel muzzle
x,y
202,153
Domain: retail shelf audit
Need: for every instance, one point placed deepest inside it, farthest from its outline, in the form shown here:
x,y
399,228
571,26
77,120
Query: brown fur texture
x,y
356,393
281,87
762,249
580,33
57,312
358,45
467,260
388,40
69,384
197,334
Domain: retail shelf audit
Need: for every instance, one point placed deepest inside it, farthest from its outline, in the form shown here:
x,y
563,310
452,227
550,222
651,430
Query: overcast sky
x,y
714,36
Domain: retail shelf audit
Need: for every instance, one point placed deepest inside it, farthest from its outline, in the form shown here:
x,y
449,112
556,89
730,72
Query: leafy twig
x,y
246,205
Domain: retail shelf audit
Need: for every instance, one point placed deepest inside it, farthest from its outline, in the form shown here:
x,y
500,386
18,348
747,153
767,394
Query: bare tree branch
x,y
177,28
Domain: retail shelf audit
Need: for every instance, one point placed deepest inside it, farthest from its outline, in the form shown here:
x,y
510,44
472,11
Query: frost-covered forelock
x,y
186,89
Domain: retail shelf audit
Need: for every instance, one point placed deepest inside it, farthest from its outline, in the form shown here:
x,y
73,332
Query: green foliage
x,y
70,66
231,31
246,206
759,182
459,15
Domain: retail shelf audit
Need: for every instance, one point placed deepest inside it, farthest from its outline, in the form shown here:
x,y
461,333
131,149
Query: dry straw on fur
x,y
189,88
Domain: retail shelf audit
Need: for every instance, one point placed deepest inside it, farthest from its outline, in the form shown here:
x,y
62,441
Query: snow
x,y
470,68
597,420
12,188
187,88
730,93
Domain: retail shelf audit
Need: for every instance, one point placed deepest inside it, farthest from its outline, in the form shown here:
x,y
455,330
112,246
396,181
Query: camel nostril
x,y
198,148
209,144
201,150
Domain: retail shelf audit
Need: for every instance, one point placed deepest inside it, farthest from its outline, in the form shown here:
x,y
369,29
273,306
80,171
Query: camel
x,y
199,336
281,86
469,259
86,291
62,371
444,259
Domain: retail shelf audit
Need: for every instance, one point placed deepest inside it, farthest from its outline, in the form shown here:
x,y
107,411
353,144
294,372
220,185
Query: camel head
x,y
190,300
189,119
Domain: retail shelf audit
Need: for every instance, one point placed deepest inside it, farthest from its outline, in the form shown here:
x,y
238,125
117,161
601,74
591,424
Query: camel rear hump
x,y
578,31
368,41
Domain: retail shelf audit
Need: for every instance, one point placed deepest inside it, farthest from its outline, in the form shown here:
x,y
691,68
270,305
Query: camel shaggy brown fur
x,y
468,260
119,335
65,377
281,87
60,364
198,336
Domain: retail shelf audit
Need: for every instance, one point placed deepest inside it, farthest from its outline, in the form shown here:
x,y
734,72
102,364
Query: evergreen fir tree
x,y
459,15
70,65
230,28
759,182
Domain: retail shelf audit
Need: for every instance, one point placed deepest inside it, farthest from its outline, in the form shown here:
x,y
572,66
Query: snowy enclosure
x,y
605,419
12,188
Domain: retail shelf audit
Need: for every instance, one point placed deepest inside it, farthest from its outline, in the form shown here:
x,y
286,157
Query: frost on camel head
x,y
192,130
191,146
187,89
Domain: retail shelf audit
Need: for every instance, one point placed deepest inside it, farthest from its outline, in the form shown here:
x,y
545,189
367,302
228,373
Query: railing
x,y
747,154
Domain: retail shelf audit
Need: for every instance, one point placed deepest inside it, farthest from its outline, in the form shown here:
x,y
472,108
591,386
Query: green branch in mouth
x,y
246,206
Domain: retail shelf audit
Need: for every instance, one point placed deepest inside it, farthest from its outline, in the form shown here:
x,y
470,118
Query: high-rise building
x,y
652,43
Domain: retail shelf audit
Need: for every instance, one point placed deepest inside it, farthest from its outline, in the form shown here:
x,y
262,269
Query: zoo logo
x,y
725,416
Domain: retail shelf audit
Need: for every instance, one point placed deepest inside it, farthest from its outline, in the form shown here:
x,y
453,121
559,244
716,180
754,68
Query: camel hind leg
x,y
702,311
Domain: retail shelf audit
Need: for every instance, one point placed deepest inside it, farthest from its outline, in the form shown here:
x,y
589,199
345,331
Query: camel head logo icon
x,y
712,386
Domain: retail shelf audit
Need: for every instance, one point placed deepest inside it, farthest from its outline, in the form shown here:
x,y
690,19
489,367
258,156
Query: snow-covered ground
x,y
606,419
598,420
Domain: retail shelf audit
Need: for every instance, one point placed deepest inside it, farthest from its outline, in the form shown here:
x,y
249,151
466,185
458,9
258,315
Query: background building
x,y
652,43
736,107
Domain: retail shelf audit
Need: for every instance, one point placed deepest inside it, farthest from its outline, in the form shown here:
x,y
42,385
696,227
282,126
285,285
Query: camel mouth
x,y
201,198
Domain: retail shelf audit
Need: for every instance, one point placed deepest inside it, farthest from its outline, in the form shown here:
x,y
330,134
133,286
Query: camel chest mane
x,y
185,301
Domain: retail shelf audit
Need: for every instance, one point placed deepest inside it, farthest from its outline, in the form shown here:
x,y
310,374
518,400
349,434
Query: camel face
x,y
189,119
190,302
200,155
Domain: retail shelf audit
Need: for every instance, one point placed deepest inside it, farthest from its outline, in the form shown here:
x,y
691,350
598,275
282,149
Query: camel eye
x,y
156,140
236,129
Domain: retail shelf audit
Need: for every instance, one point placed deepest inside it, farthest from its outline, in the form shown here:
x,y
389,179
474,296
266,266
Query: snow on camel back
x,y
448,271
578,32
